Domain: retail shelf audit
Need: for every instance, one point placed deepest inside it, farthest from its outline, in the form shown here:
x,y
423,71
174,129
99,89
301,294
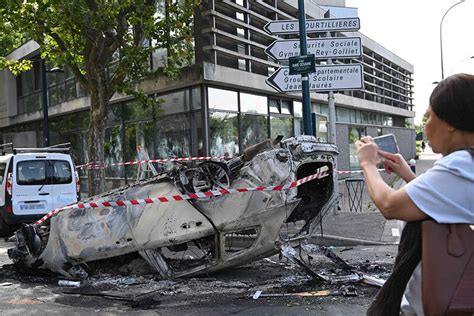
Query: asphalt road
x,y
125,290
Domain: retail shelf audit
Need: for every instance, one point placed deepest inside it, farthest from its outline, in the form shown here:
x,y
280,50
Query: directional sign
x,y
322,48
312,25
327,77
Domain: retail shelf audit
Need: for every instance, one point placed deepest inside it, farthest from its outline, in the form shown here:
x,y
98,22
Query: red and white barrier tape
x,y
182,197
98,165
193,196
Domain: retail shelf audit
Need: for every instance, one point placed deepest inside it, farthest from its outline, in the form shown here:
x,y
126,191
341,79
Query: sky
x,y
411,30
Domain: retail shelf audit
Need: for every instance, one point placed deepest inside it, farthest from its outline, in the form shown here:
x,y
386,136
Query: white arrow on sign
x,y
326,77
312,25
322,48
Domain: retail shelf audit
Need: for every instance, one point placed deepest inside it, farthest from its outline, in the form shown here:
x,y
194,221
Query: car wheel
x,y
5,229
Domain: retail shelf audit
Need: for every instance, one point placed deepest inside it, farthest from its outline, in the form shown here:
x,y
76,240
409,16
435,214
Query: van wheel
x,y
5,229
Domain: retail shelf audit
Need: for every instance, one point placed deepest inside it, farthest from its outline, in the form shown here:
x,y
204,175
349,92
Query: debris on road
x,y
343,291
345,274
257,295
69,283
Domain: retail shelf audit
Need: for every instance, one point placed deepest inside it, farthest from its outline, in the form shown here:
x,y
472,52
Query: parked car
x,y
33,182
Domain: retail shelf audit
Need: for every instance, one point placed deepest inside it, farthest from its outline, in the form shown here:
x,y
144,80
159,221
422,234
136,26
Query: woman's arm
x,y
394,204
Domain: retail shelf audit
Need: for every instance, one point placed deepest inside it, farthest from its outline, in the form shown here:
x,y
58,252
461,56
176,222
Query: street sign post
x,y
313,25
325,78
321,48
301,64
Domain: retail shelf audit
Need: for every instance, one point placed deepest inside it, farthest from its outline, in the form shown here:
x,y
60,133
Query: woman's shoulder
x,y
459,162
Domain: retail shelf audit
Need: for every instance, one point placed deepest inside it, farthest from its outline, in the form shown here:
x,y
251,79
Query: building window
x,y
174,102
254,119
271,70
298,109
173,136
281,120
28,89
364,117
273,105
224,134
388,121
240,32
321,128
342,115
251,103
242,64
220,99
240,16
254,129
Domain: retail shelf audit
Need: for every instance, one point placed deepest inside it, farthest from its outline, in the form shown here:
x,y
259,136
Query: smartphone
x,y
387,143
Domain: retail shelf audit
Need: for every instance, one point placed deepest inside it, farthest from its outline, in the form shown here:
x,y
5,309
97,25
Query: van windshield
x,y
39,172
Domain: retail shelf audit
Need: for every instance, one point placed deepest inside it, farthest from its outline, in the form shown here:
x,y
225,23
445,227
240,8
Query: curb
x,y
330,240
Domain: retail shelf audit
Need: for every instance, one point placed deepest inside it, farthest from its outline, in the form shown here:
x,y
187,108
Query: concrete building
x,y
219,105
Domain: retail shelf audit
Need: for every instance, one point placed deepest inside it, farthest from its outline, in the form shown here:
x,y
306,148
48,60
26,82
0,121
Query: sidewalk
x,y
346,227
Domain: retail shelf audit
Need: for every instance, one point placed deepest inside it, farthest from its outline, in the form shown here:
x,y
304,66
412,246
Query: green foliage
x,y
87,34
420,129
408,124
9,40
418,149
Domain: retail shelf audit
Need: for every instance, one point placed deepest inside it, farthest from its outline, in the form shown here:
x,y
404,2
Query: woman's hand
x,y
367,151
397,164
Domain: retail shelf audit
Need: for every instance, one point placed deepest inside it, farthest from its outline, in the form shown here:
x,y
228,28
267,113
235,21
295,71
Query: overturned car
x,y
198,235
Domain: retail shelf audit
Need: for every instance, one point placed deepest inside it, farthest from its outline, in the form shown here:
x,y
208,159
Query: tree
x,y
106,44
9,40
420,129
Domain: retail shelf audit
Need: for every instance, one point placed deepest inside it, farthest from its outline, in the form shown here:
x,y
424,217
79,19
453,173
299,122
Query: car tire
x,y
5,229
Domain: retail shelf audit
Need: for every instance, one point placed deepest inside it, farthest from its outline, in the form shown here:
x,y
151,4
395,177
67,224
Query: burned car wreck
x,y
194,236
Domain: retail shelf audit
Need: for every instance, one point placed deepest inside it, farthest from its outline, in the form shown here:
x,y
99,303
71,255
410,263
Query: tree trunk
x,y
98,91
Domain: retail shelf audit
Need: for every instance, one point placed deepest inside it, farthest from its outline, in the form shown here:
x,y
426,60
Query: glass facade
x,y
171,127
62,87
241,119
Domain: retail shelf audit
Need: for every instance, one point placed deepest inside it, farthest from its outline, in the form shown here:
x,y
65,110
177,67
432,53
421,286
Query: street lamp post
x,y
44,87
44,101
472,57
441,35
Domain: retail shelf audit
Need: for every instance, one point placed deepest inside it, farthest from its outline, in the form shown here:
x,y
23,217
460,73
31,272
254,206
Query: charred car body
x,y
192,237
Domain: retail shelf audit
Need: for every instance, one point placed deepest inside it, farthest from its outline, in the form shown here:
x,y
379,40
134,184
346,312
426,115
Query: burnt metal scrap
x,y
195,236
346,274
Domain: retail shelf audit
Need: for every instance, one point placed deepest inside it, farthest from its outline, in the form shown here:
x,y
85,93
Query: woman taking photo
x,y
445,193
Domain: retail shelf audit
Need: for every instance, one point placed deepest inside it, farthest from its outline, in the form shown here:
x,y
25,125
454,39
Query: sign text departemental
x,y
325,78
321,48
313,25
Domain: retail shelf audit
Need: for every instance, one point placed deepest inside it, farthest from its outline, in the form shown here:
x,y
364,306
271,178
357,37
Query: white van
x,y
34,181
